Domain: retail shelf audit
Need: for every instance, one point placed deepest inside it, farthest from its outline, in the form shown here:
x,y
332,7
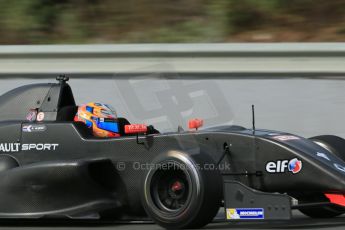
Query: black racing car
x,y
52,167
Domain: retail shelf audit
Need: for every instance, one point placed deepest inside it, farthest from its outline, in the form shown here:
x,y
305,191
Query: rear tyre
x,y
336,146
180,192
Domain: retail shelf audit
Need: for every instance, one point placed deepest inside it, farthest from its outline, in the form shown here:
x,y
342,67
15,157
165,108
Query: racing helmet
x,y
99,117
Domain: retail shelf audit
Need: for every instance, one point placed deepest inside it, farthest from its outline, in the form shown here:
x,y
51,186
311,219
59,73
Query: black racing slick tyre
x,y
336,146
182,191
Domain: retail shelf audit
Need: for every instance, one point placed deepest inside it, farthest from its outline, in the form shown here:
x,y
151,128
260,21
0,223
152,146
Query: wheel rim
x,y
171,189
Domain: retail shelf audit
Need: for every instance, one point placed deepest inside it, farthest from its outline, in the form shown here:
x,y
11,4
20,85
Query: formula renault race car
x,y
53,167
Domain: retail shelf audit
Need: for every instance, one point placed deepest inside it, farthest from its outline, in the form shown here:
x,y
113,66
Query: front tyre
x,y
182,191
336,146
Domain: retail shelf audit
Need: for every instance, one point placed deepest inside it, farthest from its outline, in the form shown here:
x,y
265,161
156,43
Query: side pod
x,y
61,188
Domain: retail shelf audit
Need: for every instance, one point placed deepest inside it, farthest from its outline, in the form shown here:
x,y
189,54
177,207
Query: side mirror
x,y
195,123
135,129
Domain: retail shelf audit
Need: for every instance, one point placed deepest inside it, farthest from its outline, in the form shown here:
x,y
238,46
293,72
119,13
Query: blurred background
x,y
167,21
261,52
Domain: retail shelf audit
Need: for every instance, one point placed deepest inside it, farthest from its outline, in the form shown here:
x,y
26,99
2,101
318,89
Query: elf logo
x,y
294,166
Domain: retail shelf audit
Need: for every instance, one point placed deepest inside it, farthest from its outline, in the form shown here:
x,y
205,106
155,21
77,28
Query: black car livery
x,y
53,167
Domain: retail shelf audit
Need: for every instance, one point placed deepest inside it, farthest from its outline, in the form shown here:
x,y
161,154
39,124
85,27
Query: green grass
x,y
143,21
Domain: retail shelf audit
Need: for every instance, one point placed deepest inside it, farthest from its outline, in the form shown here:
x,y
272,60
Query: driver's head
x,y
101,118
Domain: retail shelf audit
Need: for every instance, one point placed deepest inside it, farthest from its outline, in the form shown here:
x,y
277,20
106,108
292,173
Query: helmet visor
x,y
107,124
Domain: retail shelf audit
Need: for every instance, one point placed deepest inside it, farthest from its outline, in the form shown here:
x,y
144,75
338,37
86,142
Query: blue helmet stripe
x,y
109,126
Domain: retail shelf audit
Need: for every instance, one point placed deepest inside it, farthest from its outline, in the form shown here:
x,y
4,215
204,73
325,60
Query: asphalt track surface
x,y
299,221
